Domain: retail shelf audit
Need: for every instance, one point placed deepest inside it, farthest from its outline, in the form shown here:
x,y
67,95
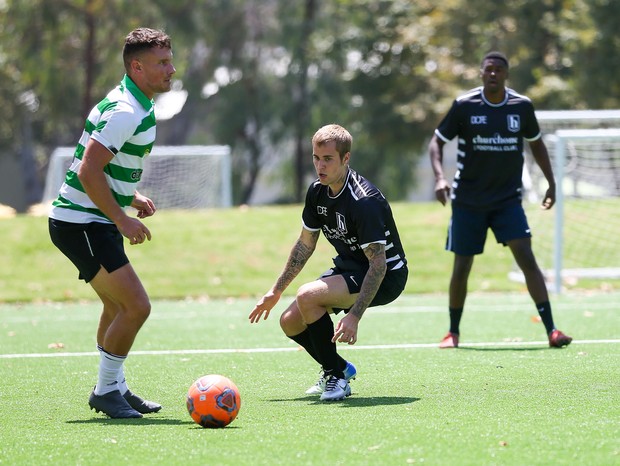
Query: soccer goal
x,y
182,177
581,238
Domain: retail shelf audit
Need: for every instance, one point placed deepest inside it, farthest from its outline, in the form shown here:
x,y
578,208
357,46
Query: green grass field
x,y
504,398
239,252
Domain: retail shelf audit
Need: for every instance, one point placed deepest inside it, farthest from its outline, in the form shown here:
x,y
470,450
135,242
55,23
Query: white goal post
x,y
580,240
592,158
182,177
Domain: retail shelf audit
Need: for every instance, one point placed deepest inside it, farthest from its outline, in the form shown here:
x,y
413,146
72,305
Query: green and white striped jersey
x,y
124,122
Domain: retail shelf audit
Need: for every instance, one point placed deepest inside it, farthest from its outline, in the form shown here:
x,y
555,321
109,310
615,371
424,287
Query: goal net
x,y
183,177
578,238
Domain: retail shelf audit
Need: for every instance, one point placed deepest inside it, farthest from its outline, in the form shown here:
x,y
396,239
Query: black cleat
x,y
113,404
140,405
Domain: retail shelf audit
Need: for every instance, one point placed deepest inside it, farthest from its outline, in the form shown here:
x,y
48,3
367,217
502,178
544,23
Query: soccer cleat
x,y
113,404
557,339
319,387
140,405
451,340
336,389
349,371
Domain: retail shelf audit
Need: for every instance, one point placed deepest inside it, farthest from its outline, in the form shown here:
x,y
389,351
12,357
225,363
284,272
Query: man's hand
x,y
264,306
346,330
143,205
549,199
442,191
134,230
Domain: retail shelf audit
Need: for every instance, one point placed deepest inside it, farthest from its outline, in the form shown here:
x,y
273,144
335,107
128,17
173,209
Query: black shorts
x,y
89,246
391,287
468,228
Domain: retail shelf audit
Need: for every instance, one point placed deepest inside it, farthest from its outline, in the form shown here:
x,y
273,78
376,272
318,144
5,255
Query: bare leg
x,y
458,282
534,279
126,307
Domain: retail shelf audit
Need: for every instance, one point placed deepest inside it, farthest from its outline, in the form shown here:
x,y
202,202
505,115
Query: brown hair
x,y
141,39
335,133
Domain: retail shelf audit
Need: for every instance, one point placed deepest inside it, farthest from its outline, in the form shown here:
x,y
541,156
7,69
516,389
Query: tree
x,y
263,75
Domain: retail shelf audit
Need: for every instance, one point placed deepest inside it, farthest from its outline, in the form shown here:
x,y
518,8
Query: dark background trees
x,y
262,75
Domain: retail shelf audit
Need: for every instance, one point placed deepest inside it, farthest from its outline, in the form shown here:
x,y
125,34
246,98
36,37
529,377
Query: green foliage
x,y
387,70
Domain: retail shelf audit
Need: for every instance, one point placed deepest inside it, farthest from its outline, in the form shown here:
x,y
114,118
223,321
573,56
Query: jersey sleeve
x,y
310,216
119,125
370,221
450,125
531,128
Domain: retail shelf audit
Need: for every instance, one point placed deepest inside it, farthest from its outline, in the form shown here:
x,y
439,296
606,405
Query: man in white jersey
x,y
370,268
491,123
88,219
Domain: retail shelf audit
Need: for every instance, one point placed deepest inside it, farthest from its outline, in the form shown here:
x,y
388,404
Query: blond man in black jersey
x,y
370,268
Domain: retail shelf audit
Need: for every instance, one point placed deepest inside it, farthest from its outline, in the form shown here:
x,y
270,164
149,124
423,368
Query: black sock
x,y
303,339
455,319
544,311
321,333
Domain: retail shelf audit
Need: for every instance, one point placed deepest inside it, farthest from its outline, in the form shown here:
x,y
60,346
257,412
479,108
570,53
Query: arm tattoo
x,y
375,253
300,254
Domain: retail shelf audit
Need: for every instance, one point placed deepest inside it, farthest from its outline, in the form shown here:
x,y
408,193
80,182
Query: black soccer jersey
x,y
490,147
356,217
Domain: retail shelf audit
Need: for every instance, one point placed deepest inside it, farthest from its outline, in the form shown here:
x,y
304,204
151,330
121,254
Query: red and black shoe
x,y
451,340
557,339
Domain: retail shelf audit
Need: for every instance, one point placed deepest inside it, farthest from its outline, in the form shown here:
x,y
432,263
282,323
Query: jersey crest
x,y
341,222
514,123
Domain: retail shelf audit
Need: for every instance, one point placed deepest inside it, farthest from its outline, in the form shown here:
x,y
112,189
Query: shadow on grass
x,y
502,348
132,422
358,402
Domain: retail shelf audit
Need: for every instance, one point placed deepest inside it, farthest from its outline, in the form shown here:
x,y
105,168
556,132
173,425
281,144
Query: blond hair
x,y
336,133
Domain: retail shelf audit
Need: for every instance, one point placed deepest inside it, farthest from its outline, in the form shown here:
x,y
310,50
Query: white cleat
x,y
319,387
336,389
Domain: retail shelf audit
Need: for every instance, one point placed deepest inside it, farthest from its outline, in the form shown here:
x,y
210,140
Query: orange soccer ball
x,y
213,401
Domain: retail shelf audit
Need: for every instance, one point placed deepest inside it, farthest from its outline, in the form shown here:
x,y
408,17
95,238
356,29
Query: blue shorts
x,y
468,228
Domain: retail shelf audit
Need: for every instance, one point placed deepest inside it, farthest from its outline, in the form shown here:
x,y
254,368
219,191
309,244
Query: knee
x,y
305,297
290,321
530,269
285,319
527,262
460,272
142,309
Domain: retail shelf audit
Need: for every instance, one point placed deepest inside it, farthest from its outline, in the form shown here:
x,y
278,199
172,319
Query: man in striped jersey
x,y
88,219
370,268
491,122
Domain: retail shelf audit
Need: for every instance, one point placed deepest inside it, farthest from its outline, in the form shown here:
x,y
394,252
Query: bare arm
x,y
300,253
539,151
346,329
93,179
375,253
442,188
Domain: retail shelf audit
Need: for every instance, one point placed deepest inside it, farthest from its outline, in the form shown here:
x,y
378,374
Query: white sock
x,y
122,383
109,367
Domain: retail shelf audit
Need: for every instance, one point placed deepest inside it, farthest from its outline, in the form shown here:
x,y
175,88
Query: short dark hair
x,y
336,133
497,56
142,39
